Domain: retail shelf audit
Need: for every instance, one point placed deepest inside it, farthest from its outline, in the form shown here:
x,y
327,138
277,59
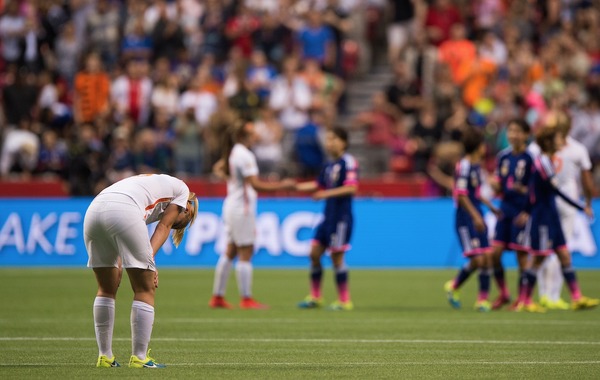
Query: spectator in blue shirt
x,y
316,40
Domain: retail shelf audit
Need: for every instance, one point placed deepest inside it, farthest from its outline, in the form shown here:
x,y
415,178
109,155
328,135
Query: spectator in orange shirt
x,y
92,90
457,51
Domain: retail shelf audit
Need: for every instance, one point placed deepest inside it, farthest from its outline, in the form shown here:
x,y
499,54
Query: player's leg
x,y
108,280
244,273
142,316
222,272
529,279
314,299
483,263
499,276
341,281
578,300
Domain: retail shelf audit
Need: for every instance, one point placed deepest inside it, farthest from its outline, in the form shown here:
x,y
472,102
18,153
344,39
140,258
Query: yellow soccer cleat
x,y
310,302
545,301
452,294
560,304
531,308
135,362
341,306
584,303
106,362
483,306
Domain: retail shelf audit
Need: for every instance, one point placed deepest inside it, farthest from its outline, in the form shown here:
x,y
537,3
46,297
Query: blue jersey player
x,y
470,226
337,184
544,229
511,183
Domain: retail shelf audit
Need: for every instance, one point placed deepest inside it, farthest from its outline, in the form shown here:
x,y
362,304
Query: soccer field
x,y
401,328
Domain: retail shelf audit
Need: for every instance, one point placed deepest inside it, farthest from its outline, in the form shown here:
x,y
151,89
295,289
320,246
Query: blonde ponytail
x,y
177,236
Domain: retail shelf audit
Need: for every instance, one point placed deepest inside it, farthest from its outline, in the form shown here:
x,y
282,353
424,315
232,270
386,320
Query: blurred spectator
x,y
53,156
203,102
401,27
268,151
121,162
12,29
212,25
19,150
338,19
380,122
239,30
586,126
260,75
148,155
223,118
168,39
103,32
87,158
403,92
402,149
458,52
165,96
440,18
317,41
92,91
131,93
307,146
136,44
492,48
245,101
273,38
188,146
427,133
20,98
325,88
68,49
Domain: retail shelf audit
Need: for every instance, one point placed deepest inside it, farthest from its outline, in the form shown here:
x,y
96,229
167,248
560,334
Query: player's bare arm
x,y
341,191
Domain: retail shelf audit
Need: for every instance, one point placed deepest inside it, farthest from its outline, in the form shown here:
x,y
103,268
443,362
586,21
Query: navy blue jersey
x,y
513,169
467,181
542,191
343,171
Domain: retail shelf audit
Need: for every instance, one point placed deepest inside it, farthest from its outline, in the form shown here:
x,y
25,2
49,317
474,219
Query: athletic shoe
x,y
483,306
250,303
585,303
135,362
560,304
514,306
500,301
545,301
530,308
452,294
341,306
218,302
105,361
310,302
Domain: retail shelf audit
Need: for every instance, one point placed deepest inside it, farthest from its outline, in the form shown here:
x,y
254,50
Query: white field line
x,y
312,321
319,340
345,364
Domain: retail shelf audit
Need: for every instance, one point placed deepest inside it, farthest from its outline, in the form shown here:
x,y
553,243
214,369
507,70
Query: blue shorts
x,y
510,236
334,234
545,235
472,241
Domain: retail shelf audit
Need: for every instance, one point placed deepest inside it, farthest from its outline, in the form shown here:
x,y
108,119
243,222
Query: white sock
x,y
104,322
555,278
243,271
142,319
222,275
542,281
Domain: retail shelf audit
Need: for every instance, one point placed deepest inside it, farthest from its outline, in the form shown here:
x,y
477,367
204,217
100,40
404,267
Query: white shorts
x,y
113,227
240,228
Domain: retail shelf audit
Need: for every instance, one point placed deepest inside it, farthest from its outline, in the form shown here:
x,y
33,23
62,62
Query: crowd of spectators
x,y
96,90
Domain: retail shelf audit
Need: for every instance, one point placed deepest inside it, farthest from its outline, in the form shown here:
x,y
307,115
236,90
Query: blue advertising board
x,y
388,233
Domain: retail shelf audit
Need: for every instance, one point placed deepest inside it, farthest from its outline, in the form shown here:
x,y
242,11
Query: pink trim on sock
x,y
575,291
315,288
343,292
483,296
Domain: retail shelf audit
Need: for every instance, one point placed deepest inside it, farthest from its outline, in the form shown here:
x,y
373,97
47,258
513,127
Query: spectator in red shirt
x,y
439,20
240,29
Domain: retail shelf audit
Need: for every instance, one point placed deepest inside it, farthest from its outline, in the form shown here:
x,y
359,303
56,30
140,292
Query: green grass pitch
x,y
401,328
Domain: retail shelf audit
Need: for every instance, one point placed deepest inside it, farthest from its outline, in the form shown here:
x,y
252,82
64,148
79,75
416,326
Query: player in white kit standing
x,y
239,213
572,165
116,237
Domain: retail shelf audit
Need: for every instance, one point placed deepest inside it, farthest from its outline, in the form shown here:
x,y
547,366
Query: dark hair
x,y
341,133
521,123
472,139
233,133
545,138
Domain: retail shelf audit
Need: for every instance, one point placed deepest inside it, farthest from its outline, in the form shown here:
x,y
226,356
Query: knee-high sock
x,y
550,278
571,279
529,279
243,272
462,276
500,278
104,322
484,284
142,319
341,280
316,275
222,272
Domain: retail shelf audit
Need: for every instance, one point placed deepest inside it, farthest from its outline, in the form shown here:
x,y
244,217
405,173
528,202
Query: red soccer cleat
x,y
218,302
500,301
250,303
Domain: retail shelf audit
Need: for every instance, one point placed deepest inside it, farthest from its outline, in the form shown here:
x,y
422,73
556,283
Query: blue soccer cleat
x,y
452,294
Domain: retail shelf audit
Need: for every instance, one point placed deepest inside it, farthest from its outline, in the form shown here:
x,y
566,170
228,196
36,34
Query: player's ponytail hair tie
x,y
178,234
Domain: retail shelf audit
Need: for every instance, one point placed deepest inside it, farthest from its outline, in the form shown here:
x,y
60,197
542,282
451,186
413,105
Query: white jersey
x,y
241,197
152,193
568,164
